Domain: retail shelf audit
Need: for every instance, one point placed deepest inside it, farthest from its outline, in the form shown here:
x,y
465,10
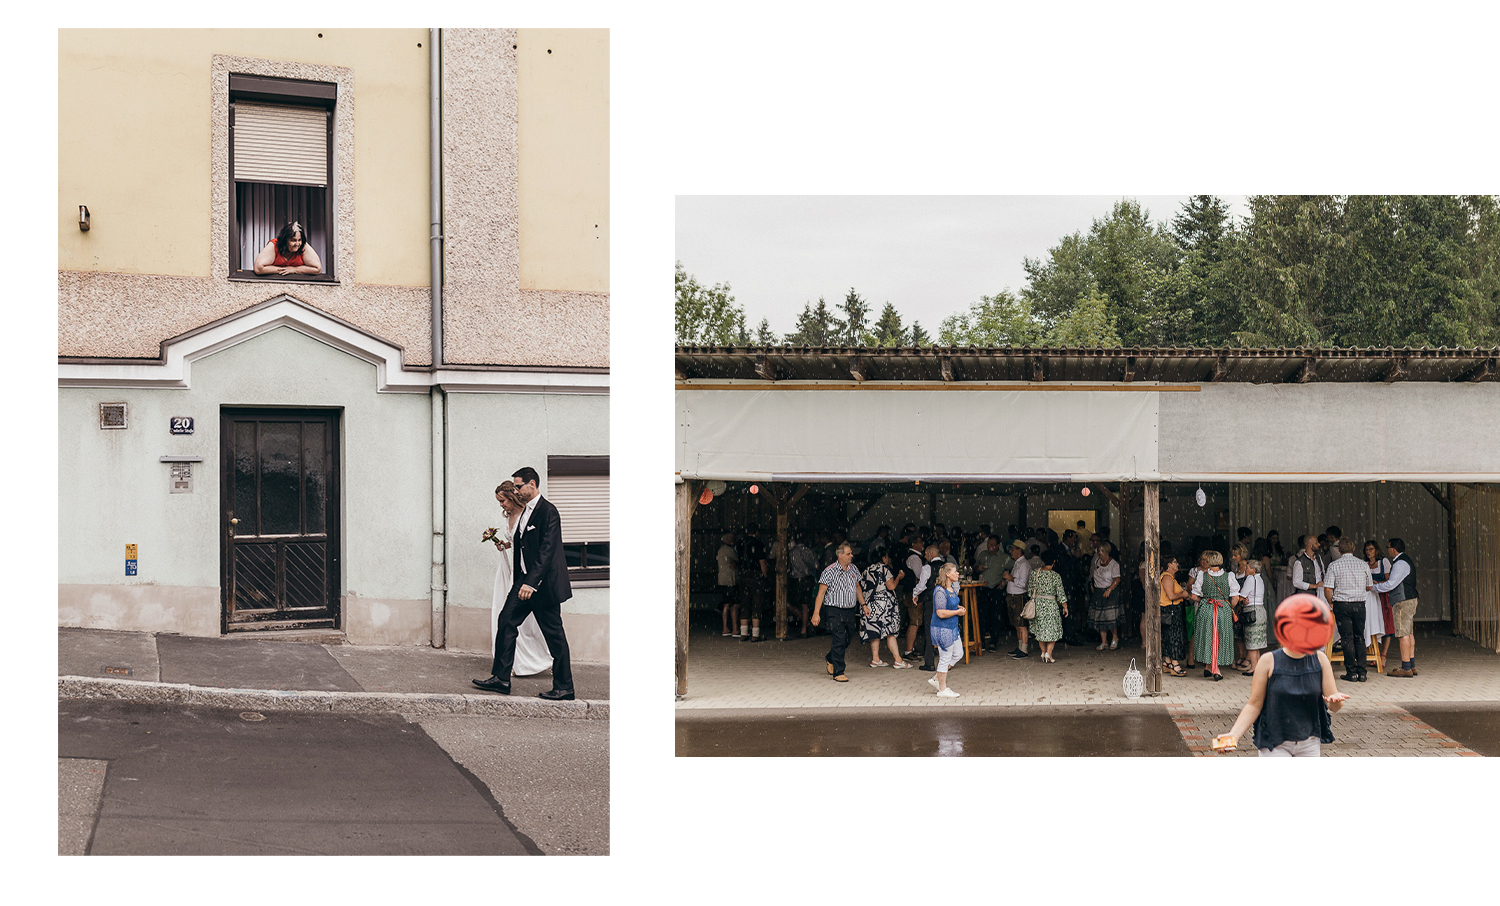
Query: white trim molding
x,y
174,370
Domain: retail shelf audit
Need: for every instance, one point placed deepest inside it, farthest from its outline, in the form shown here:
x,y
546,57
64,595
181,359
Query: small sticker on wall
x,y
130,560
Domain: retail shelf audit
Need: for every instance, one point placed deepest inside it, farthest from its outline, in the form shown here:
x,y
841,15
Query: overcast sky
x,y
929,255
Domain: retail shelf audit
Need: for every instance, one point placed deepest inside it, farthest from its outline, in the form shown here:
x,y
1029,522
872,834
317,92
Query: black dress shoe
x,y
493,684
1349,678
556,695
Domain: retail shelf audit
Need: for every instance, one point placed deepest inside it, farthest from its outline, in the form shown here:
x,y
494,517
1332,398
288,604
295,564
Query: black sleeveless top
x,y
1294,709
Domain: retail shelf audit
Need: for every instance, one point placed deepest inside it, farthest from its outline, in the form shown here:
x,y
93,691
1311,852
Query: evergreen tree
x,y
856,315
764,335
815,327
919,335
888,330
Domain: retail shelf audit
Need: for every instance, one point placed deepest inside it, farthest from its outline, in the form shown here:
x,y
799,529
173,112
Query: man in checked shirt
x,y
1347,582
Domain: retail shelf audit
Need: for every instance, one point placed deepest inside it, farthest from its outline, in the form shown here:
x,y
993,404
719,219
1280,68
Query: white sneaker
x,y
932,681
947,693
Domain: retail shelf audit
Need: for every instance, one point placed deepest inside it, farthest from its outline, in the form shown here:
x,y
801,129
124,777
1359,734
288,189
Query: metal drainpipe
x,y
439,399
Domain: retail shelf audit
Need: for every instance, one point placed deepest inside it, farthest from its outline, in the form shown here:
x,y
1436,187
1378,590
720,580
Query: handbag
x,y
1029,611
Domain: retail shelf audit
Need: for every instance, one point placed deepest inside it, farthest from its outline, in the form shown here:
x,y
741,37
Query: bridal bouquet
x,y
494,535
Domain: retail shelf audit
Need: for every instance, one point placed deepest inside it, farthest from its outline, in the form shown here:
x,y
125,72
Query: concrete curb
x,y
416,703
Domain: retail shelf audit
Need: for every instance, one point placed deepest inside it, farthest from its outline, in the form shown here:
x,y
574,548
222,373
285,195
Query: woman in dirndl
x,y
884,615
1214,592
1046,588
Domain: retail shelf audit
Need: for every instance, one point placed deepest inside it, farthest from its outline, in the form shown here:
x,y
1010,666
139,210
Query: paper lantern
x,y
706,497
1134,682
755,489
1086,491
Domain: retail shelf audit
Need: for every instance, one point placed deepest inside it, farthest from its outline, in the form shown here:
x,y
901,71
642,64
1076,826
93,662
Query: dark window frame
x,y
292,93
581,465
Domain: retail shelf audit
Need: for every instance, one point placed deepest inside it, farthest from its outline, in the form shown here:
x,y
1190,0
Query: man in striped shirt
x,y
839,586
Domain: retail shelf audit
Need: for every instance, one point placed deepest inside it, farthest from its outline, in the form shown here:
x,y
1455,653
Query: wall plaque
x,y
182,424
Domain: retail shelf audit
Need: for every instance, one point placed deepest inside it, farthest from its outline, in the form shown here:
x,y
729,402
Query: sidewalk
x,y
312,671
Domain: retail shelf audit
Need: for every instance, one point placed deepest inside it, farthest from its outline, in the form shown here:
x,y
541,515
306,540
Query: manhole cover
x,y
251,715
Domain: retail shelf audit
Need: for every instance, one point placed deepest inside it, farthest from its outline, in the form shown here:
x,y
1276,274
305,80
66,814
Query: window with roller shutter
x,y
281,169
579,487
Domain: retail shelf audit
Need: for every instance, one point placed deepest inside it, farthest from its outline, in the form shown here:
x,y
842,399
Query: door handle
x,y
234,522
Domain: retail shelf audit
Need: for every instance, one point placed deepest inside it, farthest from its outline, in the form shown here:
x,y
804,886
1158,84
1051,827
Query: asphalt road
x,y
187,780
952,731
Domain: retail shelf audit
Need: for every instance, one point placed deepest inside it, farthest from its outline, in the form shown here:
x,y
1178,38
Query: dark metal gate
x,y
280,493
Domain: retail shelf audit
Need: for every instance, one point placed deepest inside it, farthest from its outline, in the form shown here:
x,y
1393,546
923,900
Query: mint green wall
x,y
112,489
490,435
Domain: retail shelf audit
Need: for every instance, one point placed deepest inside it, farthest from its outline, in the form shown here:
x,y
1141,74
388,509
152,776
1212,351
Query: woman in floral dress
x,y
1046,588
884,620
1214,592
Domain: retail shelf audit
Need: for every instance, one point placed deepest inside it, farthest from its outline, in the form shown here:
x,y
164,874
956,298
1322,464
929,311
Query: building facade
x,y
246,451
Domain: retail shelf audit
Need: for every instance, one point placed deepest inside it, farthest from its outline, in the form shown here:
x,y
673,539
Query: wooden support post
x,y
1151,504
784,504
1453,556
687,501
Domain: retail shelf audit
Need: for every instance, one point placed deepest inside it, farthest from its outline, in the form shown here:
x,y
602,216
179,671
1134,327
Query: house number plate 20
x,y
182,424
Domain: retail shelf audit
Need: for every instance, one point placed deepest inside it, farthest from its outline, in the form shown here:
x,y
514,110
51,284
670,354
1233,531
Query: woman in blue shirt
x,y
946,634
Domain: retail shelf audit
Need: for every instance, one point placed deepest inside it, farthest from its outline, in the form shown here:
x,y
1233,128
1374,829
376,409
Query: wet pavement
x,y
776,698
1036,731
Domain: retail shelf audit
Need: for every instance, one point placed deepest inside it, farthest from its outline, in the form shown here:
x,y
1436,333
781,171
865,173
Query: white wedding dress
x,y
532,654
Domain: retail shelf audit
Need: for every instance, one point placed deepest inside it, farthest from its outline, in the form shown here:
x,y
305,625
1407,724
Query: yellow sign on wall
x,y
130,552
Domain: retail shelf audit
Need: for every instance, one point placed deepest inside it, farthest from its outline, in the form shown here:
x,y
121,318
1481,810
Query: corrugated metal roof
x,y
1164,365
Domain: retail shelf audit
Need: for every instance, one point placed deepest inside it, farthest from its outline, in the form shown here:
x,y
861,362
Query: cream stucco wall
x,y
563,85
134,141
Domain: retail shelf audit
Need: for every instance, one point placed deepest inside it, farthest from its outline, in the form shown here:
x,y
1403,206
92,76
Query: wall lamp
x,y
83,218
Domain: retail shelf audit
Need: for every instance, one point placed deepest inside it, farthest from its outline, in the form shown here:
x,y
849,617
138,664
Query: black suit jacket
x,y
540,543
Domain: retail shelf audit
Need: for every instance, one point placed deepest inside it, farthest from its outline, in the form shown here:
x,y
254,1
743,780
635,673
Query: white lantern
x,y
1134,683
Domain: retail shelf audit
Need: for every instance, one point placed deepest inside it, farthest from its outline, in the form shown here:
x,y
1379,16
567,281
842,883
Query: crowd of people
x,y
1217,599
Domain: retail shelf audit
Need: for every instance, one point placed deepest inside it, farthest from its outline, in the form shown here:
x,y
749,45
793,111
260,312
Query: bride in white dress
x,y
532,655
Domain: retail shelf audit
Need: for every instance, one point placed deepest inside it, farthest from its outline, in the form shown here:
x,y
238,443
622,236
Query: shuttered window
x,y
280,146
276,144
582,502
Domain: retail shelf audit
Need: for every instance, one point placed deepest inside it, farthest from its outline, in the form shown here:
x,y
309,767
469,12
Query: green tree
x,y
1003,319
856,316
1088,324
816,327
1125,257
919,335
764,335
707,316
888,330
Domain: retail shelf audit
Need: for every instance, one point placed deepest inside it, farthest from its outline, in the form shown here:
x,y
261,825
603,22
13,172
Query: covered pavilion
x,y
1383,442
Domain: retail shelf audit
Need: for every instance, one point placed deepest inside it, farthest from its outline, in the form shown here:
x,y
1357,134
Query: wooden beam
x,y
1151,504
857,367
764,368
687,502
1398,370
1129,368
1038,371
1483,373
1445,499
1221,368
681,375
947,363
1308,373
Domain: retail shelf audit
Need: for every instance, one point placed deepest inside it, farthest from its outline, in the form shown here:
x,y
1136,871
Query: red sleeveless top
x,y
294,261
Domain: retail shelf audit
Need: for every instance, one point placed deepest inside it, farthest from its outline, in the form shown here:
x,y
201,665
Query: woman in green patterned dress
x,y
1046,588
1214,591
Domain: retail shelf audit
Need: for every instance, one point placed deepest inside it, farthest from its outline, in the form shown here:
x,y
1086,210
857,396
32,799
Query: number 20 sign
x,y
182,424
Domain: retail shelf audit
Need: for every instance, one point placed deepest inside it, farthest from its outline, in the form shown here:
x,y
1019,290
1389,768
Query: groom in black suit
x,y
540,586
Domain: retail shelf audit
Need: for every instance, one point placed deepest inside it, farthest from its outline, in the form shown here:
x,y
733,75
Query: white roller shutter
x,y
582,503
280,144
